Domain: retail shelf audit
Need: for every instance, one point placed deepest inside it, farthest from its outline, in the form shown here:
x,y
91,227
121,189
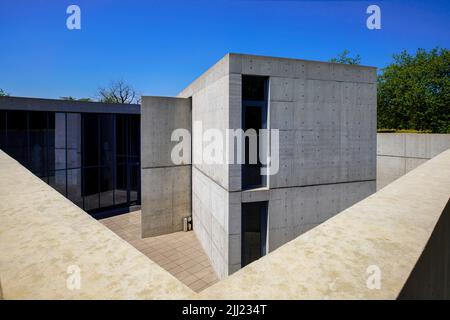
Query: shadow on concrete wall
x,y
430,278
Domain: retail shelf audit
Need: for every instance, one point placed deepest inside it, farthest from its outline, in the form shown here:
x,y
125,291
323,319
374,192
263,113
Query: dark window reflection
x,y
92,159
2,130
17,136
253,88
254,116
254,225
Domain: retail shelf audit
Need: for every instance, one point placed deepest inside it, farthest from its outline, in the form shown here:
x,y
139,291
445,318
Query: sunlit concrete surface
x,y
399,153
47,242
180,253
326,116
402,229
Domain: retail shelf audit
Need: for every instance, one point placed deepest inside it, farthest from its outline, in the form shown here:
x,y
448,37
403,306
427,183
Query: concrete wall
x,y
210,219
210,97
293,211
165,187
327,129
399,153
210,182
430,277
326,115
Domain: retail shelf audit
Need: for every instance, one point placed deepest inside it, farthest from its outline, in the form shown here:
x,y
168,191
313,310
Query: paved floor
x,y
180,253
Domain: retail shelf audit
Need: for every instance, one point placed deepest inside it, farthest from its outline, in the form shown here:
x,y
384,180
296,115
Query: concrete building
x,y
88,151
326,117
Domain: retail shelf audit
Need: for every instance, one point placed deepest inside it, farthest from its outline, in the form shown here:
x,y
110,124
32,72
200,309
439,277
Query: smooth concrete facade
x,y
166,187
211,95
326,115
399,153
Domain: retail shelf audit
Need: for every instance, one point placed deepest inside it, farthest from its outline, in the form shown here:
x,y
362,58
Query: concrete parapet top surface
x,y
43,235
387,231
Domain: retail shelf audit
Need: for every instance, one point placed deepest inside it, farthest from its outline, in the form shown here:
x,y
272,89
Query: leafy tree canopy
x,y
3,93
414,91
344,57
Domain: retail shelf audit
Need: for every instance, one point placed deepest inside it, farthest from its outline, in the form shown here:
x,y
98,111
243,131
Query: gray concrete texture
x,y
165,187
210,219
399,153
160,116
210,95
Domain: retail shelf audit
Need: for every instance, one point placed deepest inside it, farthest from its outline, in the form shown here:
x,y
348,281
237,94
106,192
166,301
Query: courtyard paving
x,y
179,253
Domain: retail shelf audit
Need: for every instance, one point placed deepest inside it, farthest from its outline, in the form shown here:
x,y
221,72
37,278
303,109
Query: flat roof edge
x,y
42,104
296,59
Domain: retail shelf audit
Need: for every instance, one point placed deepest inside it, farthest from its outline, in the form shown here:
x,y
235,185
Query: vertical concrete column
x,y
165,185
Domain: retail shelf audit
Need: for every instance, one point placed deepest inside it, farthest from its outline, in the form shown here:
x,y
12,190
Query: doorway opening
x,y
254,231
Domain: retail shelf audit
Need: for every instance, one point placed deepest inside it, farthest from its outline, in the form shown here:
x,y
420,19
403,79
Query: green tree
x,y
118,92
414,91
3,93
344,57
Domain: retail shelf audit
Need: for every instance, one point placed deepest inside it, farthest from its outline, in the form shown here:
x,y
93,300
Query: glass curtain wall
x,y
92,159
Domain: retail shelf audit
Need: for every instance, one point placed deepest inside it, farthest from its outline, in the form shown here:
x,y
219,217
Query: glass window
x,y
50,142
254,88
73,143
74,186
135,135
37,127
60,141
106,186
18,136
121,184
107,142
91,188
254,116
57,180
134,182
92,159
91,148
3,130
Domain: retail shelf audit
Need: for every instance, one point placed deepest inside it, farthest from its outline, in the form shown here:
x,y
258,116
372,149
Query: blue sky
x,y
161,46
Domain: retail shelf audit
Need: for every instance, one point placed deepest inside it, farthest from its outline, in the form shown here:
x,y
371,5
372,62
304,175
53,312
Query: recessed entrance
x,y
254,231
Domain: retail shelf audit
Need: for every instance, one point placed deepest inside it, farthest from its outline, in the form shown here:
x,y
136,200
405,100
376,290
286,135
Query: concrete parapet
x,y
46,242
399,153
399,233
